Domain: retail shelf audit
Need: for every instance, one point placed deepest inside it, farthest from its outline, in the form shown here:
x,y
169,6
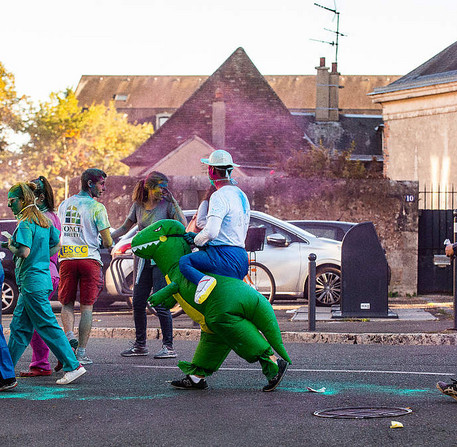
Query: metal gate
x,y
434,227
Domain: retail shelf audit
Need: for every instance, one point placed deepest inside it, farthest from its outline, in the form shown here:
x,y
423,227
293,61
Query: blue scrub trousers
x,y
34,312
6,364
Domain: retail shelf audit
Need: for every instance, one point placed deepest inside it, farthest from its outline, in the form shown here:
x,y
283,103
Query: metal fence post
x,y
312,292
454,266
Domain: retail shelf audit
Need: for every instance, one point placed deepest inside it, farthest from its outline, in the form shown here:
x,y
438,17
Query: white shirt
x,y
82,219
230,206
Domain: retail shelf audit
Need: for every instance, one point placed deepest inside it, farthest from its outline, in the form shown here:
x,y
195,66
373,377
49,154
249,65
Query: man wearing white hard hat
x,y
221,241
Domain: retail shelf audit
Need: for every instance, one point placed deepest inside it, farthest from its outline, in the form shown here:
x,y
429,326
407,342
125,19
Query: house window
x,y
161,119
119,97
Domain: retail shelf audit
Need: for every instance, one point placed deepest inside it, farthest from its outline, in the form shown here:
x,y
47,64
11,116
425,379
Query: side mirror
x,y
277,239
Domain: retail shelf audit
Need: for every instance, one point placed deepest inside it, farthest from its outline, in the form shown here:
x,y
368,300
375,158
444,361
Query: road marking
x,y
347,371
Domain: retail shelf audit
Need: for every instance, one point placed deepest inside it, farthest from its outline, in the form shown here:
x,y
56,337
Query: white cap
x,y
219,158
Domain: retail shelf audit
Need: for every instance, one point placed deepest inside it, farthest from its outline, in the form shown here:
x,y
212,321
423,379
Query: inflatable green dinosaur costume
x,y
230,318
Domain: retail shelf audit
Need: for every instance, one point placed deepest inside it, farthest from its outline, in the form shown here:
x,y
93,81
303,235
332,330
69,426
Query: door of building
x,y
434,227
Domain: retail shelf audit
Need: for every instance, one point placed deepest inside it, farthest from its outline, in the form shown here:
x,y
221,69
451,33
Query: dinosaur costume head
x,y
161,241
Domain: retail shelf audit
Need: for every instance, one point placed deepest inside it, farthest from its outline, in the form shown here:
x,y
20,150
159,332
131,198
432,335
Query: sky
x,y
49,44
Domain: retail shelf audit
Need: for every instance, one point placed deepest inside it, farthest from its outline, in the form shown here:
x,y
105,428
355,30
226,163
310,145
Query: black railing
x,y
437,198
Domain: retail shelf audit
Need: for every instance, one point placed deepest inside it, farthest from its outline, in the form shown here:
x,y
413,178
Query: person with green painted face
x,y
83,220
39,366
33,243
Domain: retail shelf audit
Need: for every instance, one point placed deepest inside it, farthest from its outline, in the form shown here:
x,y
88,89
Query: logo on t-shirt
x,y
74,251
71,226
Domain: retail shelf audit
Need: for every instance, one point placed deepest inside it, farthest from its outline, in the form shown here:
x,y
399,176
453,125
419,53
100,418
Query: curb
x,y
430,339
411,339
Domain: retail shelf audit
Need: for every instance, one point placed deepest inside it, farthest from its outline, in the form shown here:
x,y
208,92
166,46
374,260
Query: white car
x,y
285,254
119,276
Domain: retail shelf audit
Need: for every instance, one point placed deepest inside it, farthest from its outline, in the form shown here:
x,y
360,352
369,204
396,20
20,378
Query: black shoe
x,y
276,380
450,389
7,384
134,351
188,384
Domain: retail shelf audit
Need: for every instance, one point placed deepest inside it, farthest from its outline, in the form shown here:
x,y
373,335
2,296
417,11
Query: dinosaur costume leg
x,y
209,356
245,339
241,323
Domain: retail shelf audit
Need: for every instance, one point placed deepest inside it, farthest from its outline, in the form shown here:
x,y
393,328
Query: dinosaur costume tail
x,y
265,321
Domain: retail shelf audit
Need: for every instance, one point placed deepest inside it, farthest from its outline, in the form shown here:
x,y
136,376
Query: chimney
x,y
322,92
333,94
218,121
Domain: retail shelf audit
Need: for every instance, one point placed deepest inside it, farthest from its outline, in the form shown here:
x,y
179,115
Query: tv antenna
x,y
337,33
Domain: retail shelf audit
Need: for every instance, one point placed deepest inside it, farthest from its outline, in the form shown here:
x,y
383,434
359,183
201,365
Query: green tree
x,y
10,112
66,139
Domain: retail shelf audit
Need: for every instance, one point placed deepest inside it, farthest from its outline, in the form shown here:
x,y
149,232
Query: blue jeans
x,y
225,260
150,279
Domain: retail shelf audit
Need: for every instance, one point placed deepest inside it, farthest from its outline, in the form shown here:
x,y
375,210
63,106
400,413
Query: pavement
x,y
422,320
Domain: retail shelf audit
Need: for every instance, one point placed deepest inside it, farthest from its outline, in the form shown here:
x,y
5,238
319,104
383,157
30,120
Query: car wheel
x,y
10,294
328,286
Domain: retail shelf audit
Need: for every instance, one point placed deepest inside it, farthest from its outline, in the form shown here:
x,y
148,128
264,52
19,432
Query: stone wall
x,y
379,201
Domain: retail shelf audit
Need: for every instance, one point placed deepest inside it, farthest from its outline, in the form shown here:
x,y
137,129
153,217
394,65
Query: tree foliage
x,y
66,139
322,162
10,118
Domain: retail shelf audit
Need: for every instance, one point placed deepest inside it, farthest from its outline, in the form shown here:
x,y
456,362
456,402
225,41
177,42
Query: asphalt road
x,y
128,402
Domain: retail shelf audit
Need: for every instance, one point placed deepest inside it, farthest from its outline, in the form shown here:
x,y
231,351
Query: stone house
x,y
420,119
234,109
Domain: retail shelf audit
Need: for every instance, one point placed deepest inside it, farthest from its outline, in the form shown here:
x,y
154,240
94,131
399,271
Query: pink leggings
x,y
40,350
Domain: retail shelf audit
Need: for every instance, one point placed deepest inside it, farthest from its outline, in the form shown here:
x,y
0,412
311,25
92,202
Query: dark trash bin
x,y
364,276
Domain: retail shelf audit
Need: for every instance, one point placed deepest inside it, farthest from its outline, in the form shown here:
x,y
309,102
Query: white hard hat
x,y
219,158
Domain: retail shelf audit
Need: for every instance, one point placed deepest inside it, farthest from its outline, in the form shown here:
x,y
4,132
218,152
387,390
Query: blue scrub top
x,y
32,273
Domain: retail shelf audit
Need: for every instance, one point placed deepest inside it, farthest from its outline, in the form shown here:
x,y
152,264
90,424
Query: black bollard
x,y
454,266
312,292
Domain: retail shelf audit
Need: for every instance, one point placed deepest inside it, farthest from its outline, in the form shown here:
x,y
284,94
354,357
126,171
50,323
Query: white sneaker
x,y
204,288
69,376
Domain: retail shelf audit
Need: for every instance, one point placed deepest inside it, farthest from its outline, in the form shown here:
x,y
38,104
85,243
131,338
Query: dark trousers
x,y
150,279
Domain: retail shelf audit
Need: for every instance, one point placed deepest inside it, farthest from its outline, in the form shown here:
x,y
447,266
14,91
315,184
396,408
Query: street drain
x,y
362,412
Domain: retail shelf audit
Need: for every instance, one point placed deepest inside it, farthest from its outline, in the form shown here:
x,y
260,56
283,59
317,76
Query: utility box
x,y
364,276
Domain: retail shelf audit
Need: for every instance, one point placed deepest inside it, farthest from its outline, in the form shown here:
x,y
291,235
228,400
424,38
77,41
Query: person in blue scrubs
x,y
34,240
7,376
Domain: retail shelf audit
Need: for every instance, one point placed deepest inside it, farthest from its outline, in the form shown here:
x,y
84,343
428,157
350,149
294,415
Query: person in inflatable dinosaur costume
x,y
233,317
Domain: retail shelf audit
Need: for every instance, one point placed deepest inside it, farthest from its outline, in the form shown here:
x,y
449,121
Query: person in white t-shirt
x,y
221,242
83,219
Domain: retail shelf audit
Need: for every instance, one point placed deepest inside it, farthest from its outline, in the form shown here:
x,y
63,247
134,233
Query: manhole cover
x,y
362,412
